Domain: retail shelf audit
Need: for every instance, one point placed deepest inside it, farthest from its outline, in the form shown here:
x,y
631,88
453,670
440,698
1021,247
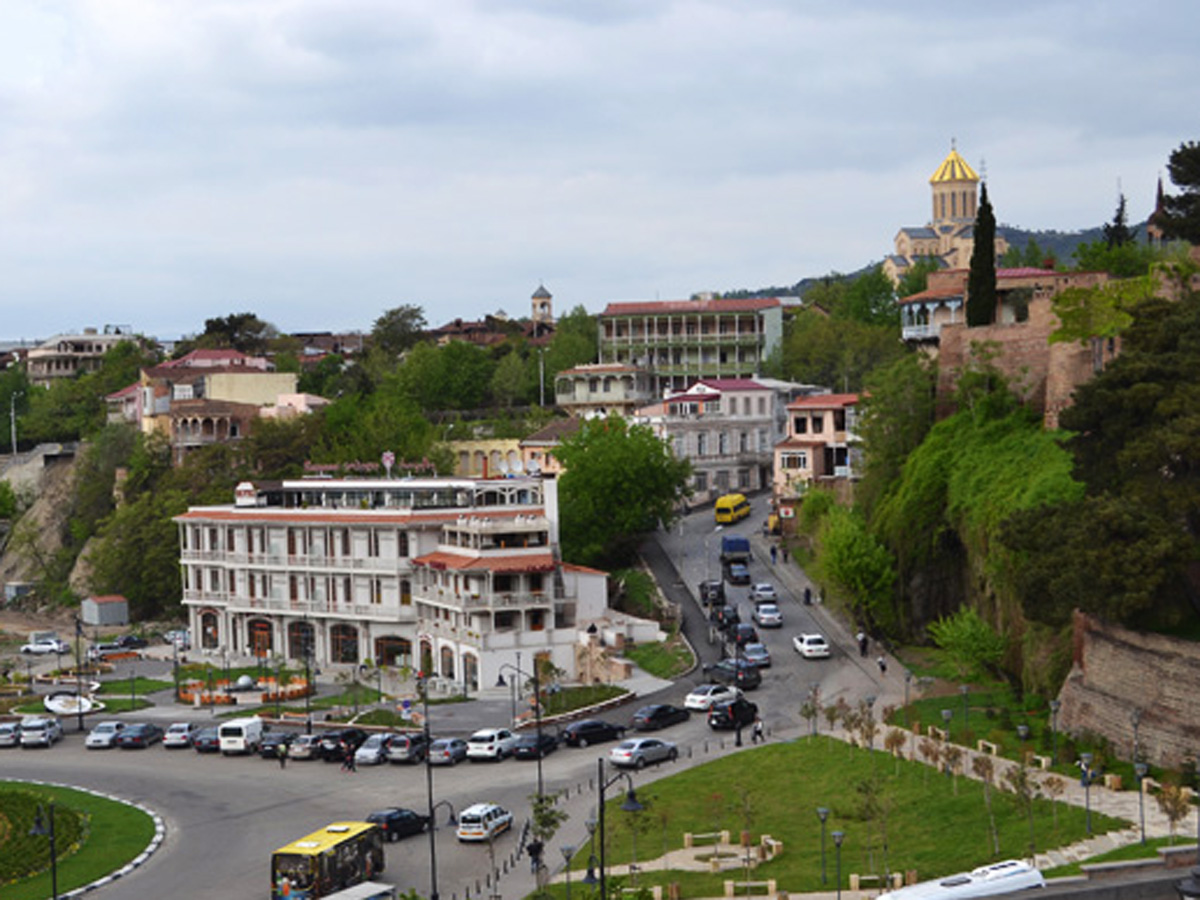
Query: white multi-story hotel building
x,y
452,576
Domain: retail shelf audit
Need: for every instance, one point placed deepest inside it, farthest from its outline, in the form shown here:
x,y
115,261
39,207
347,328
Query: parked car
x,y
491,743
591,731
131,642
763,591
738,672
103,735
373,751
535,746
44,646
447,752
742,634
100,652
178,735
711,592
305,746
757,654
768,615
811,646
725,617
180,638
397,822
733,714
483,821
705,695
10,734
334,744
40,731
637,753
737,573
268,747
658,715
207,740
407,748
139,736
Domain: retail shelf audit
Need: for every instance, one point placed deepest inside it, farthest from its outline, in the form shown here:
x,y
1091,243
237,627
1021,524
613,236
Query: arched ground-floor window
x,y
260,632
300,640
209,635
448,662
343,644
393,651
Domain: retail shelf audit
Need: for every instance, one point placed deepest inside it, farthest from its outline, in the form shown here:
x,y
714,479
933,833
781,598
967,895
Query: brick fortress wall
x,y
1117,671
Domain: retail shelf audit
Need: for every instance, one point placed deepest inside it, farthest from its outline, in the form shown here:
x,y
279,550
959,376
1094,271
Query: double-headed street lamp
x,y
42,829
631,805
518,672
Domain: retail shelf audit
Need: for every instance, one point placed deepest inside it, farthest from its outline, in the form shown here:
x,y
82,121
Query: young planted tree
x,y
545,818
953,756
1054,787
1173,801
894,742
1025,791
985,770
931,752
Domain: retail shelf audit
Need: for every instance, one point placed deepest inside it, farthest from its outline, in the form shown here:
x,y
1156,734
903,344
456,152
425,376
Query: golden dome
x,y
953,168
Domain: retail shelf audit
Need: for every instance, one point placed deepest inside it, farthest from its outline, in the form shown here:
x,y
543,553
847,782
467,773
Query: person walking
x,y
756,732
774,554
281,753
882,665
861,637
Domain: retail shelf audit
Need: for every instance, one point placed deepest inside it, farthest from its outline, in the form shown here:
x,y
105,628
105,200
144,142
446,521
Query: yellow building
x,y
949,237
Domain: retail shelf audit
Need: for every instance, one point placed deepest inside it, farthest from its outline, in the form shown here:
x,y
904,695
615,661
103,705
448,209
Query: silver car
x,y
636,753
103,735
10,734
757,654
373,750
41,732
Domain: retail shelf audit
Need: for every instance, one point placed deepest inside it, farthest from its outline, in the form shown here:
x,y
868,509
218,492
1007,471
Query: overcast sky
x,y
317,162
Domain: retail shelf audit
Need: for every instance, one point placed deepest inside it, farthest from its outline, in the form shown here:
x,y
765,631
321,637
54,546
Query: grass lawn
x,y
119,687
111,833
667,659
934,824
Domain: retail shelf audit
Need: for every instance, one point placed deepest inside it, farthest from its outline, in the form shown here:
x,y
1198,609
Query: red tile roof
x,y
824,401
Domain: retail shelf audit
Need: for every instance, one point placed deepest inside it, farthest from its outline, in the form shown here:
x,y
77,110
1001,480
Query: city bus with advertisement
x,y
339,856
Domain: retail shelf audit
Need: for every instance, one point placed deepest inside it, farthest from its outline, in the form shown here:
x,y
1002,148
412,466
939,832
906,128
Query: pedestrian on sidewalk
x,y
882,665
861,637
808,596
756,731
774,554
281,751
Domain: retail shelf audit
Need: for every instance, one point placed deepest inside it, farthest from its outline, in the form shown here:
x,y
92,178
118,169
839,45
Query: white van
x,y
240,735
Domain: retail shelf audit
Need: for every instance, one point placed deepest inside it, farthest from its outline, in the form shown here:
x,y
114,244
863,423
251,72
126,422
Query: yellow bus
x,y
338,856
731,508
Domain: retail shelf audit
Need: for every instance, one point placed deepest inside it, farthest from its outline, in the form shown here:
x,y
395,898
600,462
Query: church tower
x,y
955,191
542,312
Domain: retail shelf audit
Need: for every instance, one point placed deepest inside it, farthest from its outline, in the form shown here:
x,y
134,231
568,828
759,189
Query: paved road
x,y
224,816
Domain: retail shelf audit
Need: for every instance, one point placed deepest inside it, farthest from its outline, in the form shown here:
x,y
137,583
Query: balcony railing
x,y
920,332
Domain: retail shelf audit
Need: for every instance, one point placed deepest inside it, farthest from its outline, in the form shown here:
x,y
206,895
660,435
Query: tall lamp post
x,y
41,829
707,552
1055,706
79,671
838,837
1135,719
423,687
631,804
966,691
1140,769
907,682
517,672
1085,765
567,852
822,814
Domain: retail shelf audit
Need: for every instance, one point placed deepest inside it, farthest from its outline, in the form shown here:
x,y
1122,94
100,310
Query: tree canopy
x,y
1181,214
621,481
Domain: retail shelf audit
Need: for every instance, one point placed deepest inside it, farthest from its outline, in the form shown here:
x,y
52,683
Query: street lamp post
x,y
838,837
1140,769
278,684
12,416
537,708
908,676
567,852
1085,765
79,671
41,829
631,804
966,691
132,687
1055,706
1135,719
708,553
307,688
947,715
814,697
822,814
423,687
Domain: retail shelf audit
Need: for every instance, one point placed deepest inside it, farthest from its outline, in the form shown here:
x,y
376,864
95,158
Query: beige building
x,y
949,237
69,355
601,389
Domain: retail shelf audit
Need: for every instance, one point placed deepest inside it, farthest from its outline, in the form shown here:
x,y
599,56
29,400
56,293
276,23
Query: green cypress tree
x,y
981,283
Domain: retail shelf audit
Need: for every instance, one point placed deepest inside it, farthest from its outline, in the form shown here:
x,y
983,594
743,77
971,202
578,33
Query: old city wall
x,y
1118,672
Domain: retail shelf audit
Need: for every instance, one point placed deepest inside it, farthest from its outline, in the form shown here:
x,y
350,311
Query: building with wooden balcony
x,y
821,447
602,389
681,341
448,575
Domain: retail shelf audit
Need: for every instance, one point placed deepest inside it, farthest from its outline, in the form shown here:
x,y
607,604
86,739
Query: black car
x,y
591,731
206,740
712,592
268,748
725,617
732,714
396,822
130,642
139,735
659,715
335,744
735,671
742,634
533,746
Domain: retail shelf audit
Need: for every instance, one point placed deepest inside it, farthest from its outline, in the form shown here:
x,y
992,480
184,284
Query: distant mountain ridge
x,y
1061,244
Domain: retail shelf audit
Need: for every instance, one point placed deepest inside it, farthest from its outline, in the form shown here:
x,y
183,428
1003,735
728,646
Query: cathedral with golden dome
x,y
949,237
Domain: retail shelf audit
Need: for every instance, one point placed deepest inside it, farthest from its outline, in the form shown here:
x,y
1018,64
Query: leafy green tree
x,y
1128,260
621,481
837,353
895,414
969,646
1117,232
860,565
360,428
8,501
1181,213
324,379
244,332
871,299
278,448
575,342
456,376
398,329
916,279
981,280
511,380
1032,256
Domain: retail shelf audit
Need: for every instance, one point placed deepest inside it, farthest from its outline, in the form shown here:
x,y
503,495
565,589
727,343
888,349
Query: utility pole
x,y
12,417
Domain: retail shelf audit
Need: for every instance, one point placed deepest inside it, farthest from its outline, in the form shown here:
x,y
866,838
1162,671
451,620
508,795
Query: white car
x,y
40,732
483,821
763,591
767,615
636,753
811,646
178,735
373,750
706,696
46,645
491,743
10,734
103,735
179,638
304,747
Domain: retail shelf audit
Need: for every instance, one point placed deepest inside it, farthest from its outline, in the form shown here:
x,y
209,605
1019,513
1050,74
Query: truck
x,y
734,549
